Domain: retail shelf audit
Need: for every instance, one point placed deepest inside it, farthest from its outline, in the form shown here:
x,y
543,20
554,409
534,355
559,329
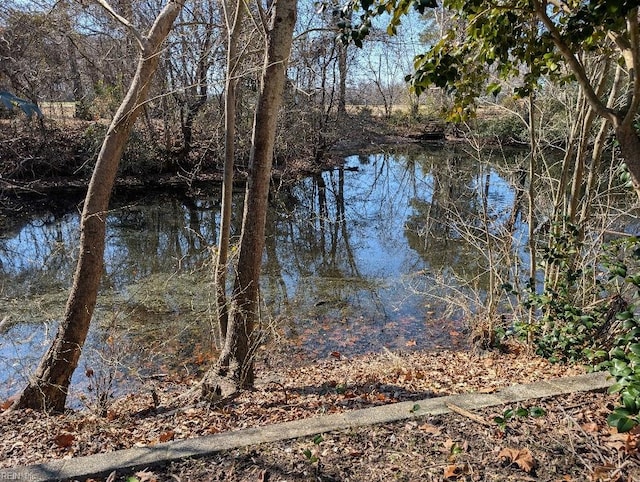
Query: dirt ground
x,y
557,439
569,443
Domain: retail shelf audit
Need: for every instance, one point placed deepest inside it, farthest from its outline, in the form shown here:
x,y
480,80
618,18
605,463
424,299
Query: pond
x,y
357,259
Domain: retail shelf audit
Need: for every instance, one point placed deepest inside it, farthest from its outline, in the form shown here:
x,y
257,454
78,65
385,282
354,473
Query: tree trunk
x,y
49,386
598,147
237,354
342,68
196,97
630,148
234,29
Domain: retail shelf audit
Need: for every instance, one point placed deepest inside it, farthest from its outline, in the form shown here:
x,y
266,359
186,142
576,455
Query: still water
x,y
354,262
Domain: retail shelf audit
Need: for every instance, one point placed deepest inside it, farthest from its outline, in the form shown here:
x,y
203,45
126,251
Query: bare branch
x,y
142,42
574,64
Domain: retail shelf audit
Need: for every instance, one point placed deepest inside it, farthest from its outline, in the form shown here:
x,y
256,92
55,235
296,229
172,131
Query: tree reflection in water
x,y
349,264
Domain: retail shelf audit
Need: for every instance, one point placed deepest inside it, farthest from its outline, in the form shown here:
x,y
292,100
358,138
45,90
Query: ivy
x,y
623,360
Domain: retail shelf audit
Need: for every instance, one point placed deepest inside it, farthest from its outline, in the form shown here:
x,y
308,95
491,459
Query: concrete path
x,y
142,457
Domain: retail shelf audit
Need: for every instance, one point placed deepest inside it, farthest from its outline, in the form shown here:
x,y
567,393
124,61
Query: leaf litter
x,y
571,442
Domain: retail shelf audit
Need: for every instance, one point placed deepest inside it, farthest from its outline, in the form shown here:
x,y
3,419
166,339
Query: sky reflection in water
x,y
350,265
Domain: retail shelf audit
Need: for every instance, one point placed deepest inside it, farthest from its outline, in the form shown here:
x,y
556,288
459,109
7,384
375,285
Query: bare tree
x,y
47,390
235,11
236,360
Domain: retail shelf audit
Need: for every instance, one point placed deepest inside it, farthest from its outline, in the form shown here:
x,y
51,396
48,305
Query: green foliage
x,y
311,455
108,99
625,175
506,39
566,330
623,361
570,332
502,421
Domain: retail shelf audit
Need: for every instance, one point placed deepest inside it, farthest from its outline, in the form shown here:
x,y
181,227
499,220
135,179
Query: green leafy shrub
x,y
623,362
502,421
566,330
605,333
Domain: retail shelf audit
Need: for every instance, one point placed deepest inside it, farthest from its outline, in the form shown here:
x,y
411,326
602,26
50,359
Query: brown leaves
x,y
166,436
628,442
605,473
522,458
454,472
590,427
428,428
145,476
64,440
330,385
6,404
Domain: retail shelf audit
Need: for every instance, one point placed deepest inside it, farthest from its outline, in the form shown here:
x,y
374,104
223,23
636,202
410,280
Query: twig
x,y
468,414
142,43
286,395
586,436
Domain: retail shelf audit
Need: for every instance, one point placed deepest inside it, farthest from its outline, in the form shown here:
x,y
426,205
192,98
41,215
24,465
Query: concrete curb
x,y
139,457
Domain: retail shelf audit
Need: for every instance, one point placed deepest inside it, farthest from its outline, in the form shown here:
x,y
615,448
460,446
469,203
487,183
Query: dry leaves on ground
x,y
329,386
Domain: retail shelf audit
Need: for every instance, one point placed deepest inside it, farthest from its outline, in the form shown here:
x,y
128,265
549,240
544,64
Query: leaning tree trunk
x,y
48,388
629,141
236,359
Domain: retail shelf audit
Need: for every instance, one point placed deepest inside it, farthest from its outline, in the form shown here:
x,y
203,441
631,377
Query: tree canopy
x,y
536,41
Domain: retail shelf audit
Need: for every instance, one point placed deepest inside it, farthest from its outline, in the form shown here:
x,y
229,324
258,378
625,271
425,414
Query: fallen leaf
x,y
617,441
146,476
602,473
165,437
411,343
64,440
407,377
451,472
432,429
454,448
589,427
522,458
6,404
336,354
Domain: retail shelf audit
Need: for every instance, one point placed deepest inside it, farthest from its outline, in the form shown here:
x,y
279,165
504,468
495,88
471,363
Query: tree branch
x,y
574,64
634,67
142,42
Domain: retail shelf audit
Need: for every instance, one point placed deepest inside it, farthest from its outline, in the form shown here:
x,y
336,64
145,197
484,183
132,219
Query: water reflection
x,y
348,265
